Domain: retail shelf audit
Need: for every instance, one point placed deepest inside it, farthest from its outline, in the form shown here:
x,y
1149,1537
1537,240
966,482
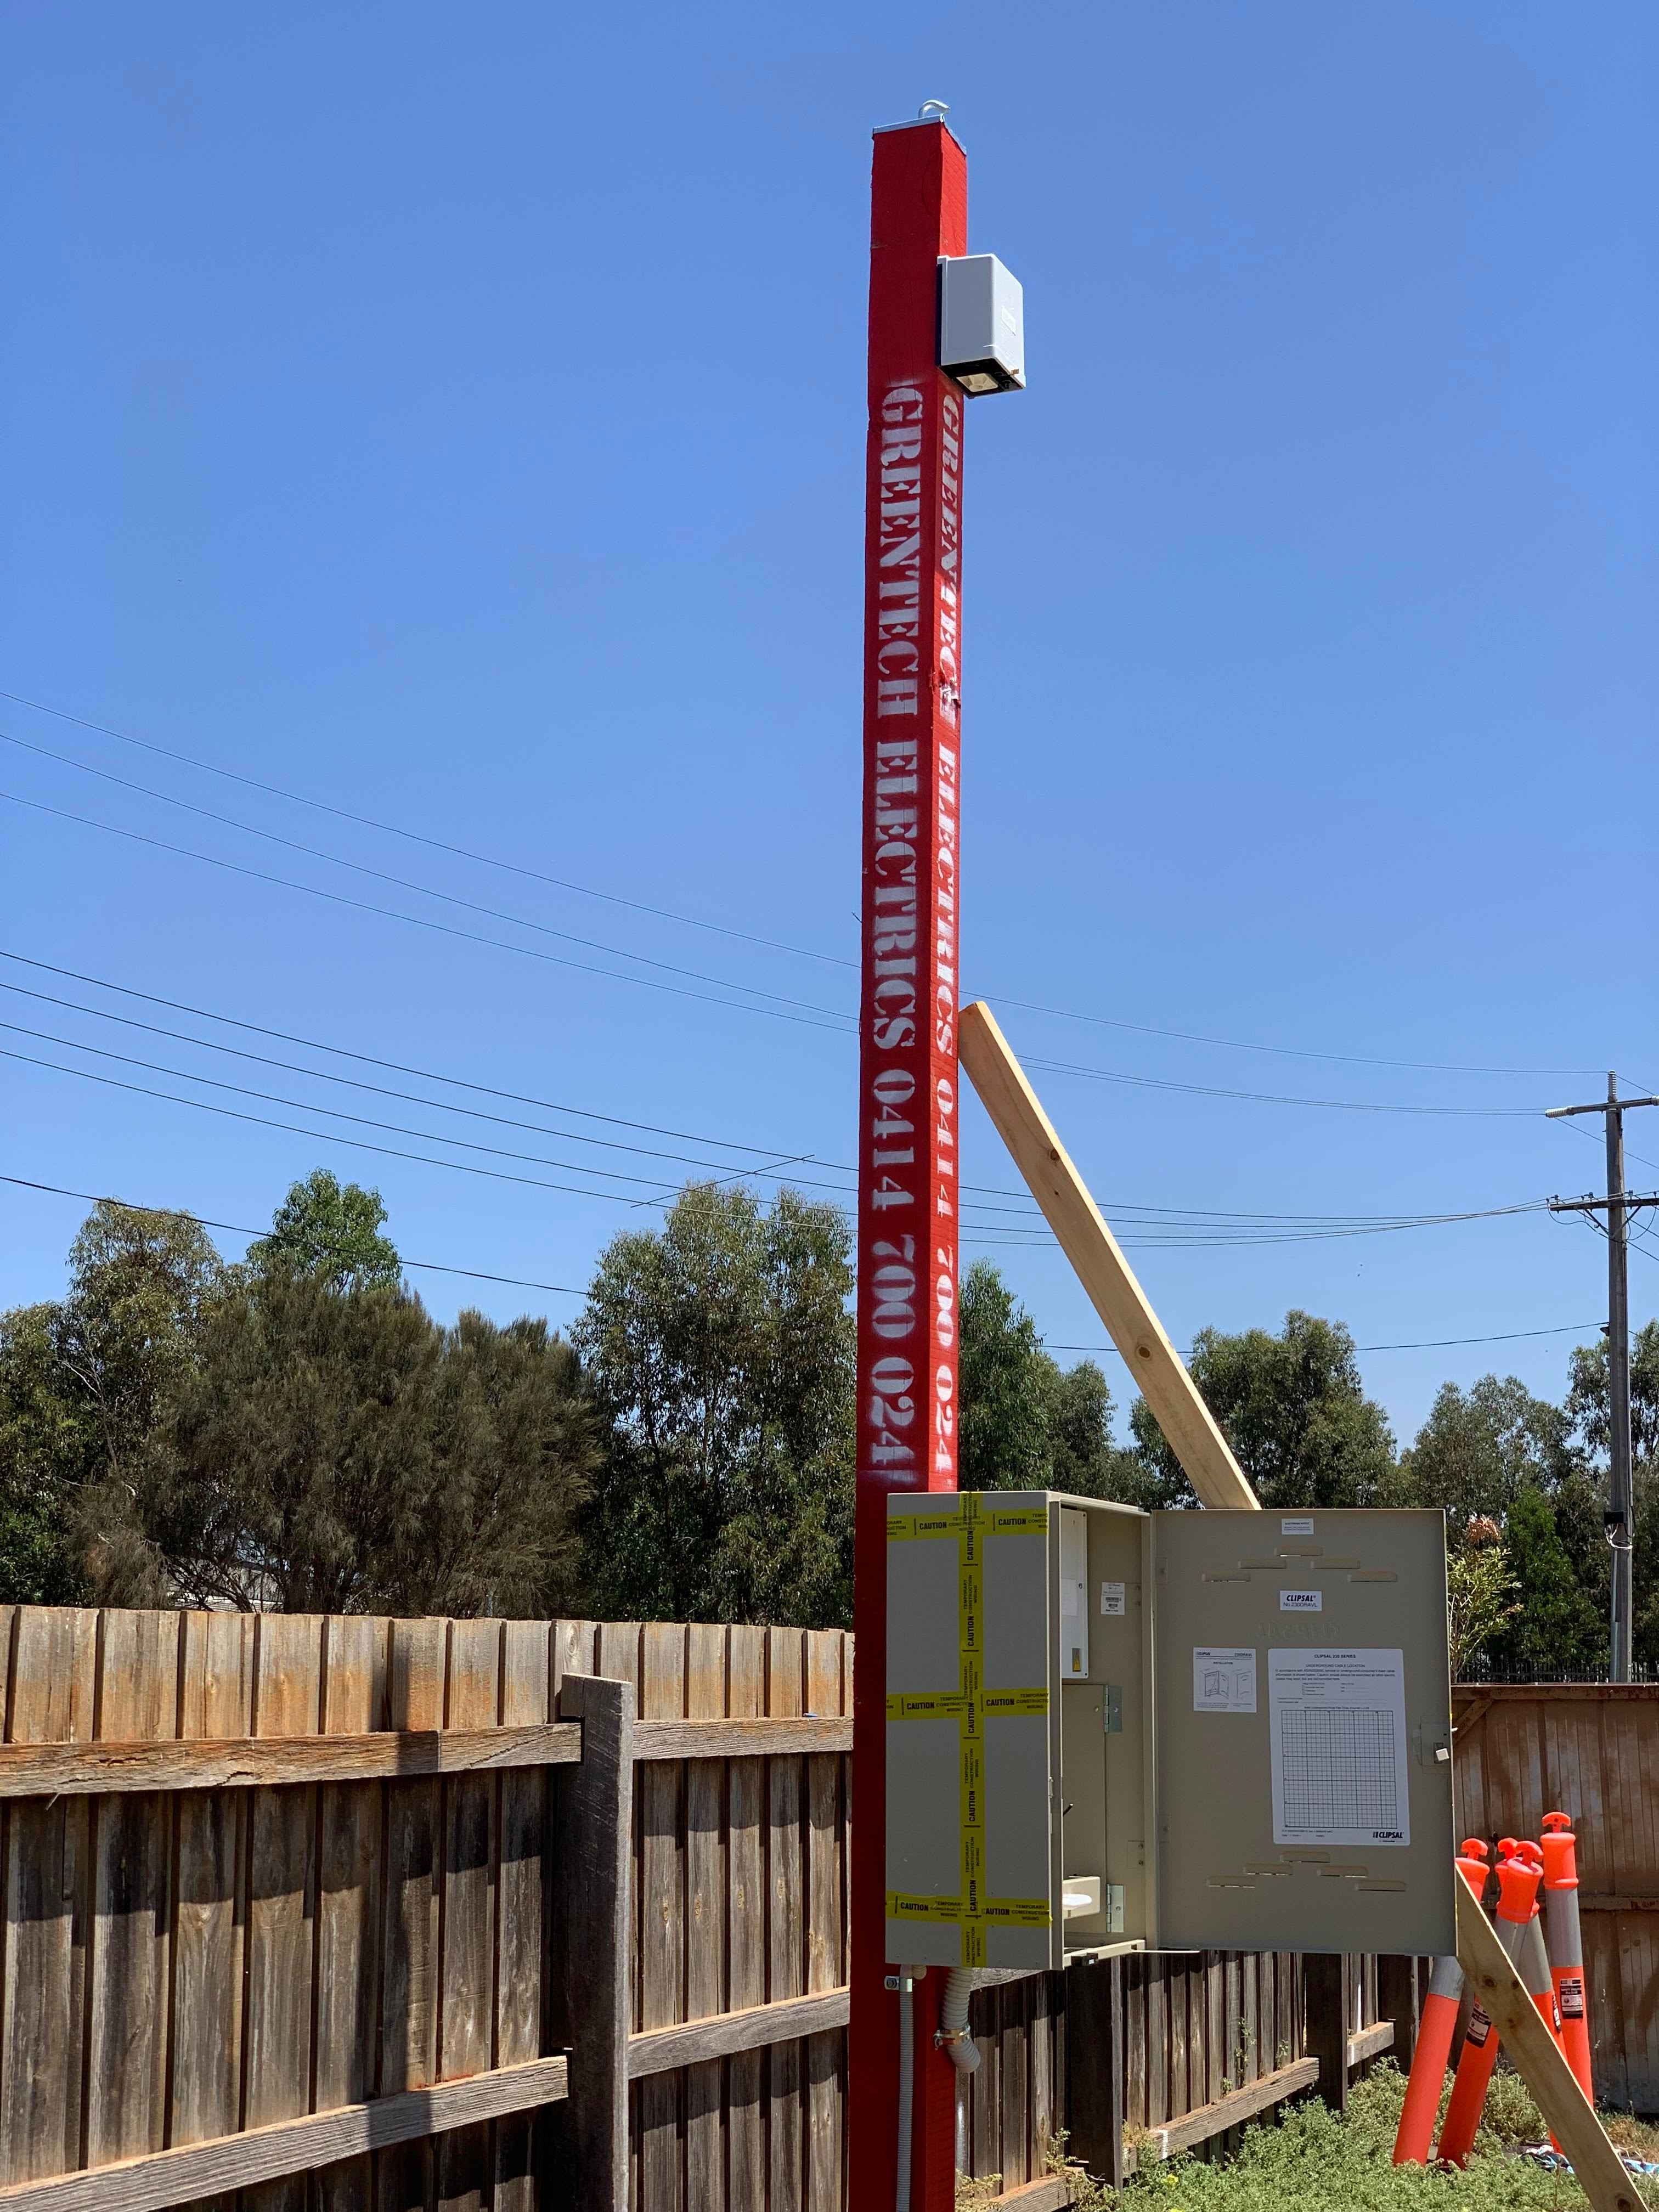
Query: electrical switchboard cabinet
x,y
1114,1729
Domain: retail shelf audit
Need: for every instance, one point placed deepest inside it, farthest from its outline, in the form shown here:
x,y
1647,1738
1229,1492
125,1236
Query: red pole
x,y
907,1080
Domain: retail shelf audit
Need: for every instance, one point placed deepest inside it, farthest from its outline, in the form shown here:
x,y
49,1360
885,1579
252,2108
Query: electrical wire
x,y
369,1060
1272,1098
976,1235
1417,1343
238,1228
404,883
567,1290
693,921
1144,1214
441,844
841,1025
364,1121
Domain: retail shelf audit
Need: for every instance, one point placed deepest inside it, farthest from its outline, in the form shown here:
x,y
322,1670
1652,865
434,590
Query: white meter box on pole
x,y
1108,1730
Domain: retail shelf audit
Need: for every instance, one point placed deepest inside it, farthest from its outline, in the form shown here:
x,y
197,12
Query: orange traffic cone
x,y
1435,2030
1517,1890
1564,1941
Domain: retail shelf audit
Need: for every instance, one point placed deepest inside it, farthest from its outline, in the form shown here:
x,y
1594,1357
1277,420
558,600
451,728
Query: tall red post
x,y
908,1079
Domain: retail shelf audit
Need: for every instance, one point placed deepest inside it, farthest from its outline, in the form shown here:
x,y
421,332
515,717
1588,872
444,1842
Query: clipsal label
x,y
1479,2028
1298,1601
1571,1994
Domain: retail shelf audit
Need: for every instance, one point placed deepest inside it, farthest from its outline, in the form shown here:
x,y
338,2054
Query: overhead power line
x,y
809,1020
364,1121
238,1228
694,921
405,883
1416,1343
974,1231
1145,1214
810,1017
443,845
1272,1098
568,1290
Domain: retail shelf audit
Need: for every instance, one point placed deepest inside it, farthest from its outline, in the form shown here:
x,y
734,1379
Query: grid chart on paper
x,y
1339,1770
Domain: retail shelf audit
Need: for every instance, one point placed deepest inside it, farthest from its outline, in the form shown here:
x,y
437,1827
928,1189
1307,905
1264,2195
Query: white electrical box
x,y
1109,1729
981,324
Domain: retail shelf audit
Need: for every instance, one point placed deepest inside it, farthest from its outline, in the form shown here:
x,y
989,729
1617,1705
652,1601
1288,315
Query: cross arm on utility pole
x,y
1560,1113
1589,1205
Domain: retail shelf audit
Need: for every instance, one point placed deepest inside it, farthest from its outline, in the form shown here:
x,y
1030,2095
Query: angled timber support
x,y
1597,2165
1102,1269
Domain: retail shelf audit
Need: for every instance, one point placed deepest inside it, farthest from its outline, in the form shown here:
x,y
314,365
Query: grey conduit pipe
x,y
907,2081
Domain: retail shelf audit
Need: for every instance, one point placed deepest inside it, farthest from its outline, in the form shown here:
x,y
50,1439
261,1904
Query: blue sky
x,y
456,420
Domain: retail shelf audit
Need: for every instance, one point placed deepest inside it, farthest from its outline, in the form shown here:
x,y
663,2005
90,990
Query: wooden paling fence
x,y
1590,1749
1151,2056
380,1915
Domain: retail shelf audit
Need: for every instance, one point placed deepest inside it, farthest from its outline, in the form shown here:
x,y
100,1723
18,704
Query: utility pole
x,y
945,325
1619,1204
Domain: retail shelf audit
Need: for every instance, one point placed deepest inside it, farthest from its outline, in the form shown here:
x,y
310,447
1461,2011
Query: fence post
x,y
1326,1983
1397,2000
1094,2067
592,1927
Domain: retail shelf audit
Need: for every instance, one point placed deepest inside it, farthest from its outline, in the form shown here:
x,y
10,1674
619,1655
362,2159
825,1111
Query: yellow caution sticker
x,y
947,1704
1017,1520
1029,1704
910,1528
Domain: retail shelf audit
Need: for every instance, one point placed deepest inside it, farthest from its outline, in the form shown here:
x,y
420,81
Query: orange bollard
x,y
1563,1939
1435,2030
1517,1892
1532,1961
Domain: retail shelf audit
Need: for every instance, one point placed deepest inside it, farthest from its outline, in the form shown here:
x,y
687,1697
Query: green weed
x,y
1307,2161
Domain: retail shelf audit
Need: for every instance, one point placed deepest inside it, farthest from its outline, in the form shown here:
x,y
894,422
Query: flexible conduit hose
x,y
953,2036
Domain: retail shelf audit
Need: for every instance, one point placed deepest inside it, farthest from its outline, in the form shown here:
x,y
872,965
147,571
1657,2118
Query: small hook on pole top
x,y
933,110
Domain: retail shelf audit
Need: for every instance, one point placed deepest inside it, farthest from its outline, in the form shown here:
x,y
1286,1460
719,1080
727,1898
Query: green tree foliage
x,y
81,1386
126,1335
1587,1407
339,1451
47,1440
1293,1410
721,1357
1480,1449
1026,1423
331,1231
1002,1442
1555,1627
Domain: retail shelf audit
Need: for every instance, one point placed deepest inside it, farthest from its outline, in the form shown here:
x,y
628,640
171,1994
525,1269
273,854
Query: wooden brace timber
x,y
1105,1273
227,2162
1571,2118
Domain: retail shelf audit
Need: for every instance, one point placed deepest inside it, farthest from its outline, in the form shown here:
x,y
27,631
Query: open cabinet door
x,y
1303,1765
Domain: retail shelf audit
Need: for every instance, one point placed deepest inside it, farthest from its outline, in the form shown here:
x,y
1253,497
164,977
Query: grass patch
x,y
1307,2161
